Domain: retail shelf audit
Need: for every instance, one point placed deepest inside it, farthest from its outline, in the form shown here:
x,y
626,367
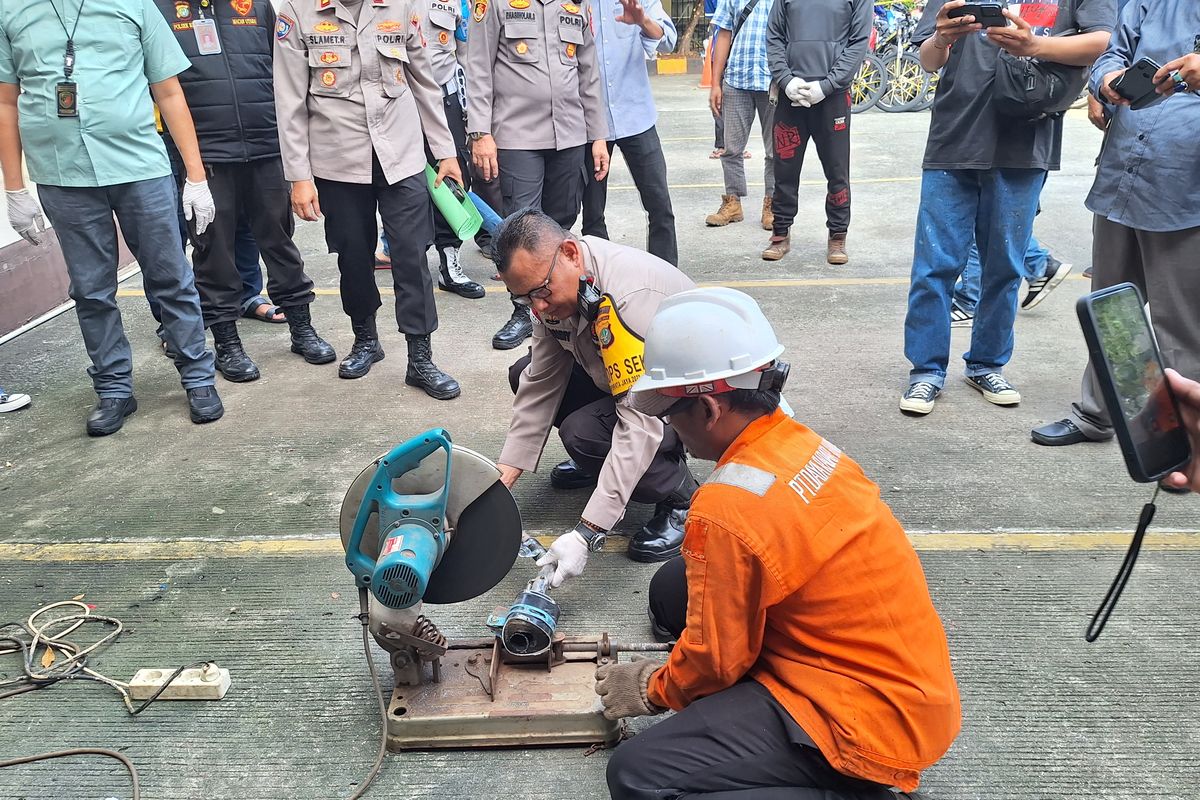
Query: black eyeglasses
x,y
542,291
678,407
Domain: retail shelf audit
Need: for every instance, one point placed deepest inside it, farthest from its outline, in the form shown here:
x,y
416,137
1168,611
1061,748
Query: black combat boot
x,y
518,328
365,352
453,278
424,373
305,340
232,361
661,537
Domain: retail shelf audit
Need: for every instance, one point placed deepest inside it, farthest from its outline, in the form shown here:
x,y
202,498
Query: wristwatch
x,y
595,537
477,135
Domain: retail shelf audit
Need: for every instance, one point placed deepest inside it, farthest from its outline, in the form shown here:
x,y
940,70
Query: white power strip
x,y
198,683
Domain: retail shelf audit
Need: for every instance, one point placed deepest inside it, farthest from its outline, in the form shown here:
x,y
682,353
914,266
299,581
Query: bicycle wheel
x,y
868,85
931,82
906,83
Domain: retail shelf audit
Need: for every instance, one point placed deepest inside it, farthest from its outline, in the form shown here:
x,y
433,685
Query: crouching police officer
x,y
591,300
354,94
810,661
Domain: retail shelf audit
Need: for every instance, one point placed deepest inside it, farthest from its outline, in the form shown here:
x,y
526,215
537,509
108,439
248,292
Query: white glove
x,y
25,216
815,93
568,555
795,90
198,204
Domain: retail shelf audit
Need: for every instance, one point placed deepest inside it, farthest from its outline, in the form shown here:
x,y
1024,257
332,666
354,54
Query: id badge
x,y
206,37
67,98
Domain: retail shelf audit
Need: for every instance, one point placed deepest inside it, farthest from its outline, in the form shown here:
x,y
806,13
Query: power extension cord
x,y
209,682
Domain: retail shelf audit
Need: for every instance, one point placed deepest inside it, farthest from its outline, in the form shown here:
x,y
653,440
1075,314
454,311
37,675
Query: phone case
x,y
1133,460
1136,84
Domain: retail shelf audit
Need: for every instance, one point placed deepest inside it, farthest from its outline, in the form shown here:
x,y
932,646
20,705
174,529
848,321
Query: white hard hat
x,y
707,341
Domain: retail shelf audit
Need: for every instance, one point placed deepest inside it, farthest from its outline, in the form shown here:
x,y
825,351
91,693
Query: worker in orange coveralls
x,y
810,663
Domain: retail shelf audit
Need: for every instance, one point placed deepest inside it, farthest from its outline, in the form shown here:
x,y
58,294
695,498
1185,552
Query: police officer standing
x,y
228,89
592,302
356,99
534,103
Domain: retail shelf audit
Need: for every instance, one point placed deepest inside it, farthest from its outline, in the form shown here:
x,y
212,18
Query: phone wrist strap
x,y
1100,618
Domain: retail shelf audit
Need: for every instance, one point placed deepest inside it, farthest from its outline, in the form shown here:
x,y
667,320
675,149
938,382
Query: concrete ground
x,y
216,541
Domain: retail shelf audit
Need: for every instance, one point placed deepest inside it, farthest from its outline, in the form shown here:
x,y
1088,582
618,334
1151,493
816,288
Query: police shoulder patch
x,y
479,10
283,26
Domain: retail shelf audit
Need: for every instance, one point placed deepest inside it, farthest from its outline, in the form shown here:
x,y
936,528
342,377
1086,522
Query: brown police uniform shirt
x,y
349,82
638,282
533,80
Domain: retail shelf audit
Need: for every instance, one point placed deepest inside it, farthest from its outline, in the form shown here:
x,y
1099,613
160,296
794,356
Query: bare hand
x,y
448,168
509,475
1096,112
949,31
714,99
1017,39
600,158
1187,392
632,13
1109,93
304,201
1188,69
484,157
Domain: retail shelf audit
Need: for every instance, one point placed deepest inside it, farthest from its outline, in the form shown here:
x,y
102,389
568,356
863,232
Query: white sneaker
x,y
995,388
11,402
1039,288
919,398
960,318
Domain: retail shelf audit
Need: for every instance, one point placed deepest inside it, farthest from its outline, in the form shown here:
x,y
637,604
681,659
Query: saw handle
x,y
392,506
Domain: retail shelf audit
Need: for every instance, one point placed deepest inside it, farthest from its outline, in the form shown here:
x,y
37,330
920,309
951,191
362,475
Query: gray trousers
x,y
83,220
738,108
552,180
1166,268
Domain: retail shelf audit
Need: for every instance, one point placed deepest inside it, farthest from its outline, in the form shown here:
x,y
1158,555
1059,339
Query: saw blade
x,y
480,510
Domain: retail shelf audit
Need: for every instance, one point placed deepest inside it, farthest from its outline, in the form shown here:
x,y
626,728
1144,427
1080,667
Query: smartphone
x,y
1129,368
989,15
1136,84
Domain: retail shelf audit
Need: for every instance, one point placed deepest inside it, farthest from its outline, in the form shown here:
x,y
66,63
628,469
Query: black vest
x,y
231,94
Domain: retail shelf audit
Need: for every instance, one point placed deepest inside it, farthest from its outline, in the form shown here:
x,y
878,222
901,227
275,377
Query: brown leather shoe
x,y
730,211
768,216
836,250
777,248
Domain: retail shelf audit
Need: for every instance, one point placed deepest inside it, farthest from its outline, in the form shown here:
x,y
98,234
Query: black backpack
x,y
1029,89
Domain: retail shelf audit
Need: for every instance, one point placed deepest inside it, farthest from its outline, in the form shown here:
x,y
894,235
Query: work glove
x,y
198,204
25,216
568,555
814,93
622,688
795,90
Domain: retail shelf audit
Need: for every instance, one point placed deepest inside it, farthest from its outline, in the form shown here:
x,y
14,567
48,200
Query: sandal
x,y
717,153
258,308
383,261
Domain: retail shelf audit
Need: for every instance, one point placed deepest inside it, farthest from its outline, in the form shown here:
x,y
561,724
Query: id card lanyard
x,y
66,93
205,29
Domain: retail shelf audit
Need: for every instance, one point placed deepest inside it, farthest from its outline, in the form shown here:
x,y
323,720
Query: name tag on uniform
x,y
206,37
67,99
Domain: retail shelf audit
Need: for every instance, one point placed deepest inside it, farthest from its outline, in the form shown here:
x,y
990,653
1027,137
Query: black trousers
x,y
643,155
828,125
586,418
407,213
552,180
738,743
256,190
443,235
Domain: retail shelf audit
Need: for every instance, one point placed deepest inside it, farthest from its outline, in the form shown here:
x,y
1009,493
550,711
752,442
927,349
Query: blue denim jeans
x,y
994,208
966,292
83,220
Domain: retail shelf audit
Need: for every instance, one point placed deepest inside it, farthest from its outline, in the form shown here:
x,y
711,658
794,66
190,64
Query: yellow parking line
x,y
292,547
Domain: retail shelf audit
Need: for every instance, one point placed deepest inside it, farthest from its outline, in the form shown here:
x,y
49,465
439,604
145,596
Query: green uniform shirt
x,y
121,46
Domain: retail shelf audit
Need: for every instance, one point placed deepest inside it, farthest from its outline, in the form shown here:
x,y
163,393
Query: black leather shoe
x,y
453,279
1057,434
568,475
423,373
204,404
366,350
661,538
305,339
109,415
231,358
518,328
